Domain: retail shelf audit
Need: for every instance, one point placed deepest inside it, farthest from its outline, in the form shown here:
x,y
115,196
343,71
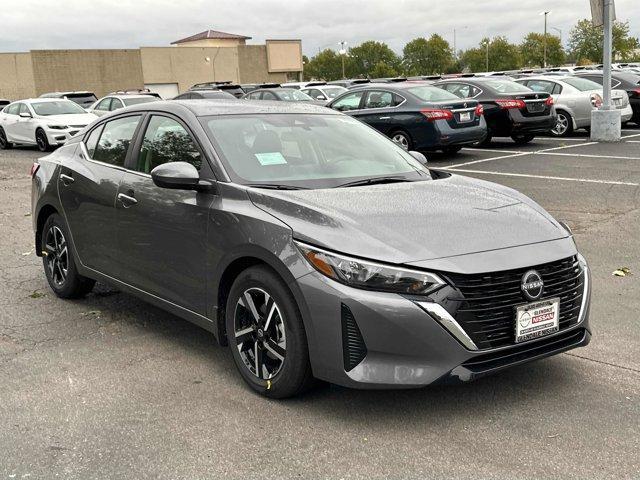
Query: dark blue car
x,y
416,115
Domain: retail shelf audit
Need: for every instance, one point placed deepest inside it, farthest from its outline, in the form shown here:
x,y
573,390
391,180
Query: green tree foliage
x,y
532,50
369,59
326,65
426,57
585,42
502,56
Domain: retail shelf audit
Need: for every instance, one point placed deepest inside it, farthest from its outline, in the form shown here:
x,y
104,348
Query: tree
x,y
585,42
326,65
426,57
532,50
502,56
370,58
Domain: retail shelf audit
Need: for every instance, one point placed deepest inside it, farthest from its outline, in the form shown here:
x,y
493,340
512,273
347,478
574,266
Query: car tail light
x,y
34,169
596,100
635,93
549,101
510,104
479,110
434,114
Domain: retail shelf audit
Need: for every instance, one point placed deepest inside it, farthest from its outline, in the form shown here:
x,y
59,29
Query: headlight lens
x,y
369,275
57,127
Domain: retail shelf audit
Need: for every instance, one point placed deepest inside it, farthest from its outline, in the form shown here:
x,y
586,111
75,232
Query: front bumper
x,y
60,136
405,345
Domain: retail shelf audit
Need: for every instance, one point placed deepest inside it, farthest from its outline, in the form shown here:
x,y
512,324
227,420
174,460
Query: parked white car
x,y
45,122
574,99
117,101
324,93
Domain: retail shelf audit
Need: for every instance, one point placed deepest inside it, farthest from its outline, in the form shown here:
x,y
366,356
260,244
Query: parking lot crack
x,y
603,363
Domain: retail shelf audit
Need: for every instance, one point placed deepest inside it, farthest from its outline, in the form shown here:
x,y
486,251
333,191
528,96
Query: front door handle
x,y
126,200
66,179
385,118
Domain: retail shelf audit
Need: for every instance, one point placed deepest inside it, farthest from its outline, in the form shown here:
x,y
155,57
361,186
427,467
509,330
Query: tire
x,y
59,265
402,139
281,348
42,141
4,143
564,125
451,150
522,139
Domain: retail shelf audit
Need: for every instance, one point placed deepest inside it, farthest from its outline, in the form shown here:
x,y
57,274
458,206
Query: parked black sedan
x,y
510,109
628,81
415,115
281,95
202,94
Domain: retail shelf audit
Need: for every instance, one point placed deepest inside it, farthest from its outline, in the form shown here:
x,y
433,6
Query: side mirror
x,y
25,115
321,97
176,175
420,157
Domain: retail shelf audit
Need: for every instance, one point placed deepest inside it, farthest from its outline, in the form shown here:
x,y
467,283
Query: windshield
x,y
432,94
82,98
61,107
333,92
135,101
582,84
293,96
306,150
506,86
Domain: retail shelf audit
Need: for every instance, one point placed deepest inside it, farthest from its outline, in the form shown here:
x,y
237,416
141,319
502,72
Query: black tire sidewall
x,y
46,147
6,144
75,285
291,378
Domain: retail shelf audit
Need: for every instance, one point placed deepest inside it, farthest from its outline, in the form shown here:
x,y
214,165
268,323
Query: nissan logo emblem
x,y
532,285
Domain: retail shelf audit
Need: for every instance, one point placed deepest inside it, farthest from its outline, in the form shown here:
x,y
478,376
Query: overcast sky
x,y
39,24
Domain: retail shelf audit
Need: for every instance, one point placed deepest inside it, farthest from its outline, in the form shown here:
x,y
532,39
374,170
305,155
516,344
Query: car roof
x,y
76,92
45,99
128,96
205,107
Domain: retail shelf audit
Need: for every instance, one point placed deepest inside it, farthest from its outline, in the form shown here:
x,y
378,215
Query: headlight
x,y
57,127
369,275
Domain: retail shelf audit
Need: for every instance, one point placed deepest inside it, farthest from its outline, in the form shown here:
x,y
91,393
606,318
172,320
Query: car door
x,y
25,127
380,111
88,185
10,121
162,233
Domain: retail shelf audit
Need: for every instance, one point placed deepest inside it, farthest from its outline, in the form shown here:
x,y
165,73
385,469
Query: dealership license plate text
x,y
537,319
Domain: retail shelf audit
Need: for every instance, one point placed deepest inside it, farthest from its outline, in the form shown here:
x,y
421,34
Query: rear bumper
x,y
445,136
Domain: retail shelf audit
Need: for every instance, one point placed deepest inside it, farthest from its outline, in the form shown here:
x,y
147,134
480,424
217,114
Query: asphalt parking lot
x,y
110,387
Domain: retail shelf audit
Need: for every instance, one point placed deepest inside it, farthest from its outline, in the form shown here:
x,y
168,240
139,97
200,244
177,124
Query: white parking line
x,y
472,149
562,139
565,146
616,157
547,177
485,160
631,136
632,141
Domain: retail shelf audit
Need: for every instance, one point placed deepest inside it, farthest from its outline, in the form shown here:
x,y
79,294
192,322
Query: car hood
x,y
412,222
73,119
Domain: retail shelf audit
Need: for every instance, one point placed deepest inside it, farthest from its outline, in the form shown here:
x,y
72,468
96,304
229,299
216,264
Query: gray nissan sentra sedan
x,y
311,244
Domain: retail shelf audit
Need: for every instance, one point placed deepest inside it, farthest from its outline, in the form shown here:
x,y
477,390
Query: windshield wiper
x,y
275,186
374,181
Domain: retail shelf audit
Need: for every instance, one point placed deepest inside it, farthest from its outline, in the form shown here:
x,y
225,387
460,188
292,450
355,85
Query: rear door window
x,y
115,139
116,103
13,109
543,86
378,99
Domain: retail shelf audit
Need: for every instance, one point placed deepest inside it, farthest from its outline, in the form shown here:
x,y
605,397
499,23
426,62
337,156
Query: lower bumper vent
x,y
353,348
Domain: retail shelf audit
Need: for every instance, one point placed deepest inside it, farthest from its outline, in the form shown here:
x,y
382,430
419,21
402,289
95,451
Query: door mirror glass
x,y
176,175
25,115
420,157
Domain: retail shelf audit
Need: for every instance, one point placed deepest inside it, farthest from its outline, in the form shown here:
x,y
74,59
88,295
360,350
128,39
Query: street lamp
x,y
559,30
544,61
486,44
455,50
343,53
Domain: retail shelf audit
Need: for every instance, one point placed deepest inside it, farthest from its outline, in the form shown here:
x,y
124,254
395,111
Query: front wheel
x,y
266,334
402,139
522,139
59,265
564,125
42,141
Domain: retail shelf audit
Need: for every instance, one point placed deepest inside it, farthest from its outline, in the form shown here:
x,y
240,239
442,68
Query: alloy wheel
x,y
57,255
562,125
259,331
41,141
401,140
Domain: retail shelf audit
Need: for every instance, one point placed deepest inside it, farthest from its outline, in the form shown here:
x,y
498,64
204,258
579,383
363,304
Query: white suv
x,y
45,122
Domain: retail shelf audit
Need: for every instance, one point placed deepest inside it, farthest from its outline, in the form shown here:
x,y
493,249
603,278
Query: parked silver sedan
x,y
574,99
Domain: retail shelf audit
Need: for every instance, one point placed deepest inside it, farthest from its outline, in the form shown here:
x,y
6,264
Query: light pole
x,y
455,49
559,30
343,52
544,42
486,43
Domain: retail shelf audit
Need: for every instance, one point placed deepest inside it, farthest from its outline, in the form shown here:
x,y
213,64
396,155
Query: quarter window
x,y
116,104
115,139
166,140
543,86
348,102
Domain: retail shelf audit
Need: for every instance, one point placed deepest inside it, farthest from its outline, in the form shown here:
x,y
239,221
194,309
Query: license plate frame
x,y
465,117
537,319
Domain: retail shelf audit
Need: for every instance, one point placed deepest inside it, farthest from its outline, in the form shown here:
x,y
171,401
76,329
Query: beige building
x,y
166,70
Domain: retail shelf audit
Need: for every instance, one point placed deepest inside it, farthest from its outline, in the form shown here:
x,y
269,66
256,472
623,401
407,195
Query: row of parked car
x,y
423,113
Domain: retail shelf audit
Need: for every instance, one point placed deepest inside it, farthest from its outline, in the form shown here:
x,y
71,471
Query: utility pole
x,y
455,44
343,53
559,30
487,54
544,42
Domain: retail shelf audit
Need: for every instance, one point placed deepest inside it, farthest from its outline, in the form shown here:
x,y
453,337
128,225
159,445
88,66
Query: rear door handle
x,y
126,200
66,179
385,118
